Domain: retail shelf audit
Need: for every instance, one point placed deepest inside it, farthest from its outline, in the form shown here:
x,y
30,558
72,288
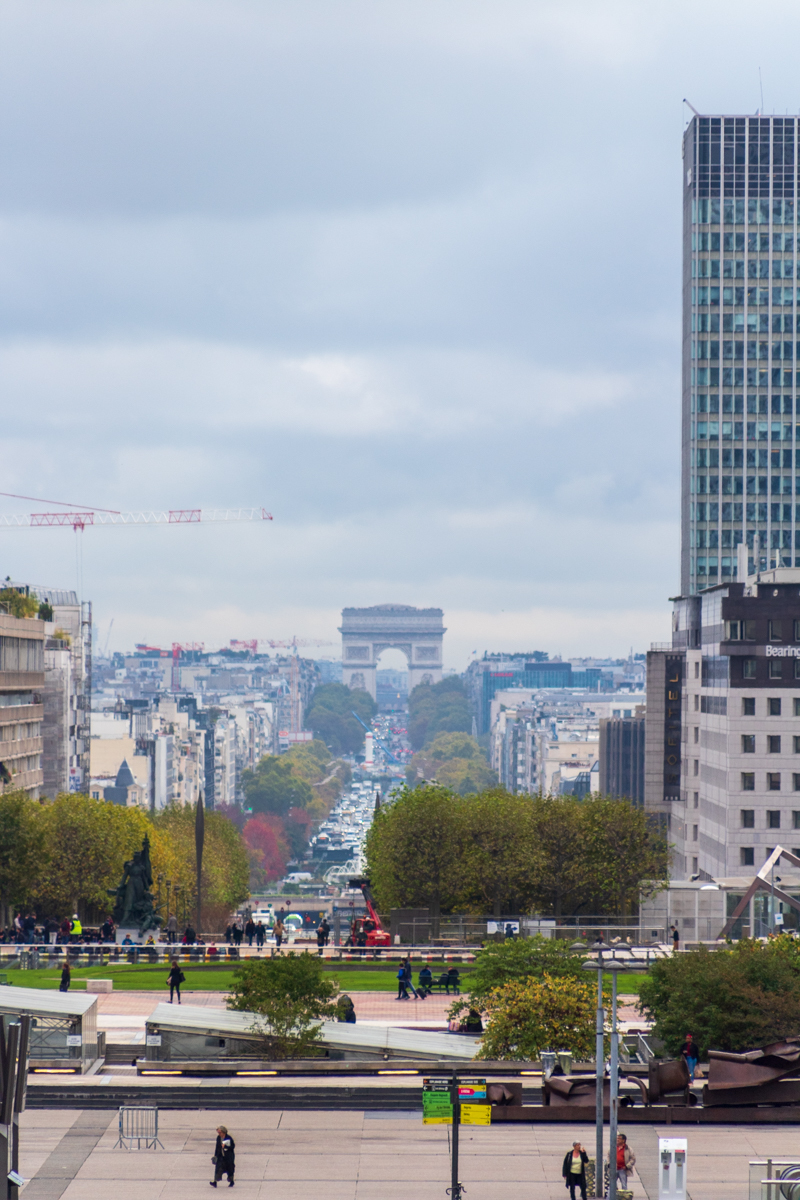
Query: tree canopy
x,y
454,760
435,708
527,1016
521,958
735,999
274,786
502,853
329,715
290,995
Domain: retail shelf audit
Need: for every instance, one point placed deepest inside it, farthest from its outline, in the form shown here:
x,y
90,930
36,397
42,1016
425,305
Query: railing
x,y
138,1125
774,1179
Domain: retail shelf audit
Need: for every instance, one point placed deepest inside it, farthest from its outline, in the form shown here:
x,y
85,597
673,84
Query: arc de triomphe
x,y
367,632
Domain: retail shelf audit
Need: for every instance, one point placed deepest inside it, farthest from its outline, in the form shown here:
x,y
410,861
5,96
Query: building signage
x,y
782,651
673,691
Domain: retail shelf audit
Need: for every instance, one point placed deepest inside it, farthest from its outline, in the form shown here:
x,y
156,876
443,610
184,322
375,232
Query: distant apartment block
x,y
622,741
21,710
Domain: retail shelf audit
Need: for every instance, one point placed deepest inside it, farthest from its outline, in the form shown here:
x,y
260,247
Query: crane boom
x,y
171,516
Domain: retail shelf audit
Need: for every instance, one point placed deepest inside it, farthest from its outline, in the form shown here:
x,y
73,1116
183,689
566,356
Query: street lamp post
x,y
615,966
597,965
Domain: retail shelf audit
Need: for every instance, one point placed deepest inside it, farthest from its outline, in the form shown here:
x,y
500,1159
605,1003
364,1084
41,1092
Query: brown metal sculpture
x,y
575,1090
665,1079
770,1075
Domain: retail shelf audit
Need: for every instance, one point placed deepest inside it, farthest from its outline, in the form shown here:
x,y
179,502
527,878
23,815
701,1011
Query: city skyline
x,y
436,334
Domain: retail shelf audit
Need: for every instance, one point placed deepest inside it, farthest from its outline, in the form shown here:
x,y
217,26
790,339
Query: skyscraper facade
x,y
741,476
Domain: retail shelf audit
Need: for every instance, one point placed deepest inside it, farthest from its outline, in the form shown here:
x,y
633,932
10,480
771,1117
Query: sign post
x,y
450,1101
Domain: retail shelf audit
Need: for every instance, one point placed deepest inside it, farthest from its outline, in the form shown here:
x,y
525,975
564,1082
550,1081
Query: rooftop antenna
x,y
691,106
761,89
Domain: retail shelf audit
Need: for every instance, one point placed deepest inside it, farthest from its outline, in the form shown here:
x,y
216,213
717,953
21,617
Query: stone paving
x,y
357,1156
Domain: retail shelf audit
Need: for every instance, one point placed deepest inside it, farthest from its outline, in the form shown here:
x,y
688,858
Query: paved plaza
x,y
357,1156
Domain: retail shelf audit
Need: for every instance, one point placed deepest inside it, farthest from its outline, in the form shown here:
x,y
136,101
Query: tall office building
x,y
740,242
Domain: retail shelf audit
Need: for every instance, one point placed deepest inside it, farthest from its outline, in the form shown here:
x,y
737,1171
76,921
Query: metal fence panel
x,y
138,1125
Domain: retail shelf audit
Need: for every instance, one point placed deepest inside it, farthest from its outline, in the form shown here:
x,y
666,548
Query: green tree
x,y
499,848
17,604
627,855
560,871
527,1016
312,762
86,844
226,865
290,996
22,850
734,999
456,761
329,715
414,851
275,787
500,963
437,708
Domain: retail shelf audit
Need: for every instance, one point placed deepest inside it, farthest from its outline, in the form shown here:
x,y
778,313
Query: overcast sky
x,y
406,274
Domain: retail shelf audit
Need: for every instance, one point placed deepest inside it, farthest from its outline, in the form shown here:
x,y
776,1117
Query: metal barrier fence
x,y
138,1125
774,1179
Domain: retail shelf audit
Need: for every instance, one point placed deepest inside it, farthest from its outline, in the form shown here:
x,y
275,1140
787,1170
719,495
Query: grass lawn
x,y
145,977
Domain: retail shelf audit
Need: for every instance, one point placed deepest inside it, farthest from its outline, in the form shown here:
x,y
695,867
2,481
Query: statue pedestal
x,y
132,933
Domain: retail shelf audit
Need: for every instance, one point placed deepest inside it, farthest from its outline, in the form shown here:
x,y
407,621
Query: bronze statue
x,y
134,900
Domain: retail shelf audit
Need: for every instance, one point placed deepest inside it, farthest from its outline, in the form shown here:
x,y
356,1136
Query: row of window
x,y
737,241
730,210
710,511
739,485
740,268
739,322
710,351
777,631
753,377
774,743
751,457
747,818
708,402
707,567
747,855
773,782
756,431
708,295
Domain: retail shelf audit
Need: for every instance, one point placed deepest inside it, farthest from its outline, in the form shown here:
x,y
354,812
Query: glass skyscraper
x,y
741,336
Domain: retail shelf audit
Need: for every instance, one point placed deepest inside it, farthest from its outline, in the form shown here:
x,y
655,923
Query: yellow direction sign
x,y
476,1114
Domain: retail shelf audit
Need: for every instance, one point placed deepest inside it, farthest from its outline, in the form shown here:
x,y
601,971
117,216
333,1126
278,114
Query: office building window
x,y
696,796
749,706
748,668
773,781
694,833
796,820
696,767
747,856
775,668
748,783
696,734
775,631
774,706
748,743
774,743
694,866
773,819
797,702
797,631
748,816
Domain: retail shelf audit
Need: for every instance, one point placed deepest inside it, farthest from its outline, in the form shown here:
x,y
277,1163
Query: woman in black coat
x,y
224,1160
574,1170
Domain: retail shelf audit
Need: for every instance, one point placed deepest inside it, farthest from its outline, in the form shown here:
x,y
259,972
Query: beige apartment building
x,y
21,709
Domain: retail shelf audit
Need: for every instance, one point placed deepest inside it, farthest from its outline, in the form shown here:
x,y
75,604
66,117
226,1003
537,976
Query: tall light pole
x,y
598,965
615,966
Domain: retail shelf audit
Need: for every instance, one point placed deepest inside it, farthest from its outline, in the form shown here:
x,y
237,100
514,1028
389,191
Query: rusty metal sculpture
x,y
770,1075
576,1090
665,1079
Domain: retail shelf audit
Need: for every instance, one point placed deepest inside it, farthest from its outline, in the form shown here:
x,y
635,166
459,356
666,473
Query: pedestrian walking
x,y
250,931
175,979
676,939
320,939
625,1161
223,1160
260,936
574,1170
691,1052
407,973
402,986
326,930
172,928
66,978
279,930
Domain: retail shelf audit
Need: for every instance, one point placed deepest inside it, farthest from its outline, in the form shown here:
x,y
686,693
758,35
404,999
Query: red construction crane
x,y
172,516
